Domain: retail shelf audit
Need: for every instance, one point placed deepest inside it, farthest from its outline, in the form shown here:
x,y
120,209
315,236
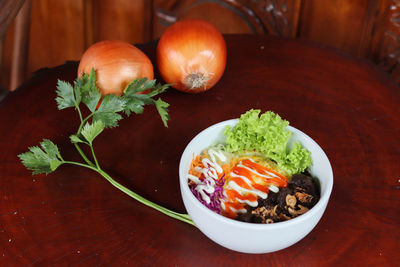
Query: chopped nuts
x,y
273,212
295,213
291,200
266,215
261,211
303,197
284,217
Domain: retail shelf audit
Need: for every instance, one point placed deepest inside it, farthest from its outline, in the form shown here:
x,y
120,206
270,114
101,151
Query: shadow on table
x,y
3,93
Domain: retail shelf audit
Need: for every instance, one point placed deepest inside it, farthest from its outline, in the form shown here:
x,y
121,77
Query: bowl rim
x,y
321,204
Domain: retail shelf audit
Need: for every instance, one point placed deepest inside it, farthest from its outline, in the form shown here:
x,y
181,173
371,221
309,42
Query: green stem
x,y
173,214
79,112
84,121
81,164
94,156
83,155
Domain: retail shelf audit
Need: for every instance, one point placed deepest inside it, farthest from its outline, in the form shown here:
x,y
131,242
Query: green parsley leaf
x,y
77,90
76,139
65,95
139,85
135,102
108,110
42,160
162,108
89,92
158,89
91,131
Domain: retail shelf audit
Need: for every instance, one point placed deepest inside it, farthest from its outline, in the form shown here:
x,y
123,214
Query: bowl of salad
x,y
255,184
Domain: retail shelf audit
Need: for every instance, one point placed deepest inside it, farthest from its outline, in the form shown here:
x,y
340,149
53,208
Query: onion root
x,y
197,80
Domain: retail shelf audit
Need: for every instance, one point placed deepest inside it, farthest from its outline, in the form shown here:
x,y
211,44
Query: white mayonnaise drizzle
x,y
212,169
248,202
274,188
233,209
241,190
193,178
207,188
219,154
257,173
210,172
244,178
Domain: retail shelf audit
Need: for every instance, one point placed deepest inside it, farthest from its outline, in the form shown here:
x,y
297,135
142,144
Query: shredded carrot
x,y
225,169
260,179
196,162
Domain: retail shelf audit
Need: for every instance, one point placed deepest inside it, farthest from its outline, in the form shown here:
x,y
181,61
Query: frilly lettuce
x,y
268,135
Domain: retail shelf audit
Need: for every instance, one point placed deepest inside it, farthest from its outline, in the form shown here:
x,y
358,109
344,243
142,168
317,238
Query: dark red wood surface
x,y
75,217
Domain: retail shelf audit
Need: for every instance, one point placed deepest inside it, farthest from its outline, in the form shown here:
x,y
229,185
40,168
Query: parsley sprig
x,y
104,113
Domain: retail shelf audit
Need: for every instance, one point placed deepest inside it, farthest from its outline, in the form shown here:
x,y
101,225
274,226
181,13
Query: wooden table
x,y
75,217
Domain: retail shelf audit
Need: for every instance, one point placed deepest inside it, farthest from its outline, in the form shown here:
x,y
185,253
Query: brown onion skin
x,y
116,64
191,46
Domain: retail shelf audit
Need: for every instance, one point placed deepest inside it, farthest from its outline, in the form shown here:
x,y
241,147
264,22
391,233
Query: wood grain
x,y
239,16
120,19
56,33
61,30
329,22
388,55
21,41
8,10
74,217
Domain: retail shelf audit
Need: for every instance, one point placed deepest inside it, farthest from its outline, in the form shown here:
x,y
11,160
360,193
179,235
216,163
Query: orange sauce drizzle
x,y
257,182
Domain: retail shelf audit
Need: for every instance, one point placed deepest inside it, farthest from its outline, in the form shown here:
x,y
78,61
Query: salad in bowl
x,y
255,184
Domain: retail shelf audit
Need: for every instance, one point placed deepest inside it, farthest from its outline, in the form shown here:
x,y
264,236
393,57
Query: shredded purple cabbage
x,y
215,197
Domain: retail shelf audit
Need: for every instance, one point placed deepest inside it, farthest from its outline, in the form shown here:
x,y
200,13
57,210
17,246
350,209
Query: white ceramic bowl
x,y
250,237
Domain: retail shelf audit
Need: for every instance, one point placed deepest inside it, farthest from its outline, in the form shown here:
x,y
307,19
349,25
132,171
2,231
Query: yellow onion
x,y
191,55
116,64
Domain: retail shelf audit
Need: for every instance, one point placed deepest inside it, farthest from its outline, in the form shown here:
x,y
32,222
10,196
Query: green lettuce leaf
x,y
267,134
